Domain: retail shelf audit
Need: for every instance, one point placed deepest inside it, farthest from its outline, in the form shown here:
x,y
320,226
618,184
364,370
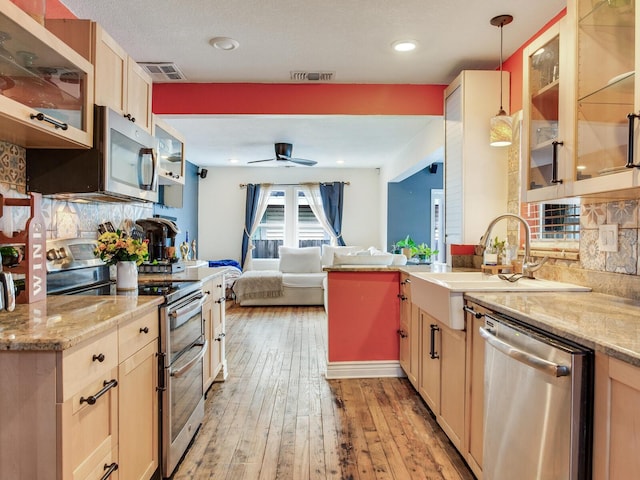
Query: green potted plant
x,y
424,252
407,247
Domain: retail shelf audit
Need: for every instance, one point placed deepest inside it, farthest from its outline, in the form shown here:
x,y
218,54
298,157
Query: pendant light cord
x,y
501,109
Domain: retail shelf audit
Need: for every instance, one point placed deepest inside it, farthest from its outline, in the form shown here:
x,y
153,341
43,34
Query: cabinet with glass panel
x,y
607,108
547,133
46,89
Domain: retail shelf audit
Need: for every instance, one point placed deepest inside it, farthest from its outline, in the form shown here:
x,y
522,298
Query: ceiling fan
x,y
283,154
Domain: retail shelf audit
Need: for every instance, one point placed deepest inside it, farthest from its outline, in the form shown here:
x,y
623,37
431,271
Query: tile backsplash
x,y
63,219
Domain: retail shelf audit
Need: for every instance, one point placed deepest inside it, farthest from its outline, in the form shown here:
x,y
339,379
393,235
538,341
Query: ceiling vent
x,y
162,71
312,76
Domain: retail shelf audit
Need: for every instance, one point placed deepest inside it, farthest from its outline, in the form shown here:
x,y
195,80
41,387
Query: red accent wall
x,y
364,316
55,9
314,99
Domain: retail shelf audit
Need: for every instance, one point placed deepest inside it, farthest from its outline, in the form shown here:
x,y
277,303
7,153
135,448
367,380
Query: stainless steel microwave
x,y
121,166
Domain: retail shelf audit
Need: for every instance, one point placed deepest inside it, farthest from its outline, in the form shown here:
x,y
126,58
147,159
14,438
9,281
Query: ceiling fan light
x,y
224,43
501,131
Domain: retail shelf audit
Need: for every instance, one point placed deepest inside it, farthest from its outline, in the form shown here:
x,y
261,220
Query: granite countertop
x,y
187,275
604,323
60,322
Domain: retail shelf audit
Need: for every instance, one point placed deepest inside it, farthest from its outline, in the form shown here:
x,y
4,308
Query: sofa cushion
x,y
303,280
300,260
329,250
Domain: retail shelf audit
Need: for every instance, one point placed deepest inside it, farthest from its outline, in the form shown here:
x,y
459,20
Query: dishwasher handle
x,y
529,359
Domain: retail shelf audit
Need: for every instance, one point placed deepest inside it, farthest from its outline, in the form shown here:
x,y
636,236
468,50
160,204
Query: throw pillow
x,y
300,260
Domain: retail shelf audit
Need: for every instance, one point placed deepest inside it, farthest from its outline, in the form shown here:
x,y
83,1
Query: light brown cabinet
x,y
548,115
138,398
121,83
474,391
406,333
170,152
442,375
46,88
607,84
86,413
616,419
213,314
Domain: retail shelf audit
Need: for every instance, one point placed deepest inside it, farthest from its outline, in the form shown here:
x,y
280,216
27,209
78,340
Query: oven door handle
x,y
528,359
178,372
190,307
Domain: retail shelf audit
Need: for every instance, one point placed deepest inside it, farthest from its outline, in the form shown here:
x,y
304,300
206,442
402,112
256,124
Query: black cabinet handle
x,y
110,468
554,161
99,357
631,117
108,385
473,312
207,292
130,118
432,351
144,330
43,118
402,297
402,333
221,300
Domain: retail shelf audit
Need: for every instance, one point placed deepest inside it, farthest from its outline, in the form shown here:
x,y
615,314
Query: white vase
x,y
127,276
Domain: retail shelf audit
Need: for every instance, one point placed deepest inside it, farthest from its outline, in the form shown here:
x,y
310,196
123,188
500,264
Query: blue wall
x,y
187,216
409,206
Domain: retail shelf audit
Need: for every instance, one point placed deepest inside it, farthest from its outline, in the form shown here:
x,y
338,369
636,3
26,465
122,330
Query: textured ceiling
x,y
349,37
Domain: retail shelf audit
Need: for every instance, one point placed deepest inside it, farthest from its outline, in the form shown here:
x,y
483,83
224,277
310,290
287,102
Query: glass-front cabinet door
x,y
170,153
46,88
606,103
547,139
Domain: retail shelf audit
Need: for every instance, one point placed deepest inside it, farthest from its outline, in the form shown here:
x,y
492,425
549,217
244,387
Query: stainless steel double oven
x,y
182,349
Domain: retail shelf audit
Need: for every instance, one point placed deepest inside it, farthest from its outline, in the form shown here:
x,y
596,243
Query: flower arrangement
x,y
114,247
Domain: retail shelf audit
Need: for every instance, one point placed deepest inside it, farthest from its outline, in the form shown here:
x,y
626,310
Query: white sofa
x,y
303,281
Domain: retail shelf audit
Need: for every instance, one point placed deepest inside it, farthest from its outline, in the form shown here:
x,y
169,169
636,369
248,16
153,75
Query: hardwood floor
x,y
277,417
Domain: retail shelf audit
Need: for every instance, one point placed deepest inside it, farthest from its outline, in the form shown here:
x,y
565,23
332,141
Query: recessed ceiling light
x,y
404,45
233,160
340,162
224,43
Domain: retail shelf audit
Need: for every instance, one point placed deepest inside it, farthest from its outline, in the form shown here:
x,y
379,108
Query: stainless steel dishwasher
x,y
537,404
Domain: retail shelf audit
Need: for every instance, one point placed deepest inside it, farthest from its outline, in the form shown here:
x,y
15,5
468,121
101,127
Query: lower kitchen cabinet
x,y
409,332
442,375
616,419
474,393
213,315
138,399
86,413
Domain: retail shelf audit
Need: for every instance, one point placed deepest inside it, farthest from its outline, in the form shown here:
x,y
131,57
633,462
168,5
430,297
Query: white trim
x,y
371,369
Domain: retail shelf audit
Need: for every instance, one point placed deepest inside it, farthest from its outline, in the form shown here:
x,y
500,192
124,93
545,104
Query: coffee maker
x,y
161,236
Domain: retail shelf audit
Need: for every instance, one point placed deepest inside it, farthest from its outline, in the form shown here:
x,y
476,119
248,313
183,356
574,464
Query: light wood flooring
x,y
277,417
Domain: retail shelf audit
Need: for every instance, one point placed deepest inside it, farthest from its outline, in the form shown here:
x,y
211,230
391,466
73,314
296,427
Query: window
x,y
554,225
288,221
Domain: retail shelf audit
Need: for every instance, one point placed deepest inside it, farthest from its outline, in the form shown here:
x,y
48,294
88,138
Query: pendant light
x,y
500,133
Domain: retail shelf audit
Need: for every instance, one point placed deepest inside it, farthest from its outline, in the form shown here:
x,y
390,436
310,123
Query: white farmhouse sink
x,y
440,293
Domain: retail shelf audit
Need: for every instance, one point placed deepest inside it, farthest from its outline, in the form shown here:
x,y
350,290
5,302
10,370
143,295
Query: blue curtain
x,y
253,195
332,195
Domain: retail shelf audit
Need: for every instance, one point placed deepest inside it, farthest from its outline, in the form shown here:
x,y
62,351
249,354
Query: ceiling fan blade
x,y
259,161
303,161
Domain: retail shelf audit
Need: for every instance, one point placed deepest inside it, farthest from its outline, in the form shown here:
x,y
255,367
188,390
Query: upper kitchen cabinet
x,y
170,153
547,108
606,96
475,173
121,83
46,89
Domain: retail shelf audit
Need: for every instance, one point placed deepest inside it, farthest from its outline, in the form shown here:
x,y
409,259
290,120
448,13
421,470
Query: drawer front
x,y
209,288
137,333
89,427
87,362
